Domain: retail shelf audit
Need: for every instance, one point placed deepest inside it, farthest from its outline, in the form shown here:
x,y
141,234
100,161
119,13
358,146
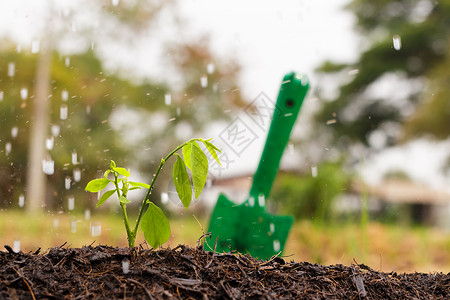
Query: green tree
x,y
364,107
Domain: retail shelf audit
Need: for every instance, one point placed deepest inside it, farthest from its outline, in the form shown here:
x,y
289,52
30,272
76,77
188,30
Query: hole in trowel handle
x,y
289,103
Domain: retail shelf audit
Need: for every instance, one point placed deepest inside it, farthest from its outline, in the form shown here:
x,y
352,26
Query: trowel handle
x,y
290,98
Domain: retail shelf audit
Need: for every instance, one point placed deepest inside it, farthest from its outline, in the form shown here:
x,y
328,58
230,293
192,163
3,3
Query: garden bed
x,y
104,272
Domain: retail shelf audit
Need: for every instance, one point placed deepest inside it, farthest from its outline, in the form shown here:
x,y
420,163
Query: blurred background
x,y
366,172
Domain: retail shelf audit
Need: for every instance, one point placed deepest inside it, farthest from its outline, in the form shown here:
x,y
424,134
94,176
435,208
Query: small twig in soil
x,y
26,282
142,286
10,250
202,236
213,254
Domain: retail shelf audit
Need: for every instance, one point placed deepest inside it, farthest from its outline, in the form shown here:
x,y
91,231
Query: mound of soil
x,y
104,272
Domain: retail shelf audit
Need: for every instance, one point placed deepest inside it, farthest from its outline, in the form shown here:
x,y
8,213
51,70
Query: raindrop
x,y
48,166
168,99
397,41
276,246
251,201
210,68
73,225
67,61
67,182
35,46
19,48
353,72
88,109
49,143
55,130
8,147
272,228
74,157
92,45
16,246
331,121
21,200
164,198
14,132
11,69
87,214
63,112
261,199
55,223
115,2
77,175
23,93
1,95
314,171
71,203
204,81
96,229
125,265
64,95
178,111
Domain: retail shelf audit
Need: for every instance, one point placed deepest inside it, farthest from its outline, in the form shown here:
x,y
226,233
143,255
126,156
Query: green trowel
x,y
248,227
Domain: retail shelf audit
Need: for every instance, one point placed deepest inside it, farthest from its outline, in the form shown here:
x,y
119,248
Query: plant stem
x,y
161,164
130,236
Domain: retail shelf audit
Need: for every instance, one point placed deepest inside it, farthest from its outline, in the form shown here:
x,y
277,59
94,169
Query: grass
x,y
382,247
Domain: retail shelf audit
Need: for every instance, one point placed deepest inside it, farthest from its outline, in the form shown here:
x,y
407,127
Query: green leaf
x,y
122,171
155,226
187,149
105,175
212,149
96,185
105,197
112,165
139,184
199,164
123,200
182,182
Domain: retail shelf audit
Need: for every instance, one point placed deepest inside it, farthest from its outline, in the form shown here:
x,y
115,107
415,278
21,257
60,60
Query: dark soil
x,y
192,273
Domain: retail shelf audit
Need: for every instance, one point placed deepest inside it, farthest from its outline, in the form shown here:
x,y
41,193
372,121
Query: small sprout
x,y
155,225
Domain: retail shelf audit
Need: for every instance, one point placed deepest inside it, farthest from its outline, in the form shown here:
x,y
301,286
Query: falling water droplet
x,y
261,200
210,68
67,182
204,81
19,48
11,69
115,2
96,229
67,61
87,214
23,93
164,198
125,265
21,200
74,157
73,225
88,109
397,41
314,170
1,95
14,132
64,110
291,149
64,95
77,175
251,201
55,130
272,228
48,166
49,143
55,223
92,45
35,46
16,246
178,111
8,148
276,246
168,99
71,203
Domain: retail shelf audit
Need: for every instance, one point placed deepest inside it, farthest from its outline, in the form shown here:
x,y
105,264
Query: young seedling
x,y
154,223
